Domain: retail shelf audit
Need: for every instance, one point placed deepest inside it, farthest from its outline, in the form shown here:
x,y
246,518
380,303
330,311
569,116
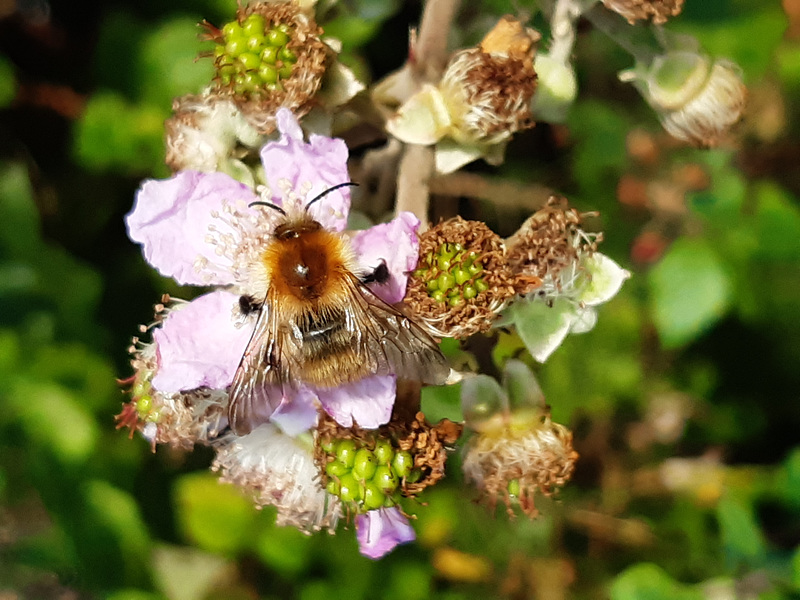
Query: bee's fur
x,y
319,325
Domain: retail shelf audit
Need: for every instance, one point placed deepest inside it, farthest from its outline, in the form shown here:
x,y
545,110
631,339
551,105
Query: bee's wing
x,y
393,342
257,387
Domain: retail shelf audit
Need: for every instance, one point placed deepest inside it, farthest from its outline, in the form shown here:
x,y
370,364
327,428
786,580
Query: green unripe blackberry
x,y
402,464
346,452
349,488
365,464
373,496
336,469
385,479
384,453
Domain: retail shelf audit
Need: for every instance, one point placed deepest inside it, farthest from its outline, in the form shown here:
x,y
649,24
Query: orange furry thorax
x,y
307,265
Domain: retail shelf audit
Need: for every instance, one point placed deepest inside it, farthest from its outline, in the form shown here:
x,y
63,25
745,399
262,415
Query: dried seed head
x,y
697,100
278,470
462,280
657,10
180,419
368,469
488,89
549,246
270,57
512,463
204,130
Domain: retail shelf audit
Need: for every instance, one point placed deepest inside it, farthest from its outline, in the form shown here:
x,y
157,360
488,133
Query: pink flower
x,y
199,228
379,531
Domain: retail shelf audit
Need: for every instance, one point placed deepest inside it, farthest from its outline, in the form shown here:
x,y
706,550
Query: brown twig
x,y
501,193
428,59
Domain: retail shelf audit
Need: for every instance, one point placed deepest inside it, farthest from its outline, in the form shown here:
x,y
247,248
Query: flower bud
x,y
697,100
556,91
635,10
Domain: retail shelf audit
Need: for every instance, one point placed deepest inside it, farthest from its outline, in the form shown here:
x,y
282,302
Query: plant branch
x,y
428,60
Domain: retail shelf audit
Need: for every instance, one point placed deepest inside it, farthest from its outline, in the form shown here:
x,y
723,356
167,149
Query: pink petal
x,y
199,346
314,166
171,217
297,413
379,531
395,242
367,402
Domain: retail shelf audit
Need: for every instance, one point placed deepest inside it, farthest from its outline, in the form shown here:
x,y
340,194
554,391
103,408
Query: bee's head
x,y
292,227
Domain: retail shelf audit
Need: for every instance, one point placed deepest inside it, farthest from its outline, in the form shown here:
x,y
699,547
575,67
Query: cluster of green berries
x,y
452,275
367,477
252,57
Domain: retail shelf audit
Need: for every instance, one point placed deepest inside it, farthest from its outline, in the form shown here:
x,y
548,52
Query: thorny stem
x,y
428,59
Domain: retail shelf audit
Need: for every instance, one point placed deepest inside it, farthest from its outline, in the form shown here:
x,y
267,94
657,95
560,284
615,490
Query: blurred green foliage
x,y
684,399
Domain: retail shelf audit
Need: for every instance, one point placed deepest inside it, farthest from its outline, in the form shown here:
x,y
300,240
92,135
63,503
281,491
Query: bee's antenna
x,y
328,191
269,204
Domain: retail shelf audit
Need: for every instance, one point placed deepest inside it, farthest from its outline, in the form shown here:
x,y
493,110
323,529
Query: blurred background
x,y
684,400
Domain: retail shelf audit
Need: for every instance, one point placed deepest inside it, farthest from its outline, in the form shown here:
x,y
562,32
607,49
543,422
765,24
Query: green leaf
x,y
284,549
442,402
113,517
599,131
55,419
168,65
733,38
19,227
114,134
690,290
778,224
740,533
647,581
8,83
212,514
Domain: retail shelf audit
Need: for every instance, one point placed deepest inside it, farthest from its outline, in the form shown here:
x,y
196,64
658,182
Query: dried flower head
x,y
516,449
697,100
483,98
270,57
488,89
513,463
278,470
574,277
462,280
638,10
549,244
203,132
179,419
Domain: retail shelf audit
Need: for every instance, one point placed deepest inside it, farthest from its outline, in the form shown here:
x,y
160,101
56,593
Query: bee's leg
x,y
379,275
248,305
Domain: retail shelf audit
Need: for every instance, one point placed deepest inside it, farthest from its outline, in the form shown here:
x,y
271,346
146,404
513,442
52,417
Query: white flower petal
x,y
423,119
585,320
542,328
606,279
